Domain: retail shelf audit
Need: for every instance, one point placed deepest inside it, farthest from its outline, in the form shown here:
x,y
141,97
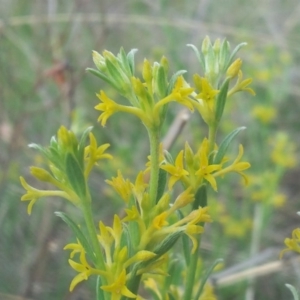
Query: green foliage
x,y
35,101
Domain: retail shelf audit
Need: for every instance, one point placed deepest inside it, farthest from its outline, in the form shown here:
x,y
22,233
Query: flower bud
x,y
99,61
234,68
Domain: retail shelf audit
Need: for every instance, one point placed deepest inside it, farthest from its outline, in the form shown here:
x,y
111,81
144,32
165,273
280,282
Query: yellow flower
x,y
183,199
77,248
181,91
121,186
180,94
106,240
140,256
118,288
151,284
84,270
191,231
241,85
207,93
132,214
33,195
205,100
139,187
237,166
205,171
116,230
196,216
160,221
108,106
93,153
177,171
292,244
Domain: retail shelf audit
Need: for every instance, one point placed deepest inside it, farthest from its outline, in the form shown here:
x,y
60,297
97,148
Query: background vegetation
x,y
45,47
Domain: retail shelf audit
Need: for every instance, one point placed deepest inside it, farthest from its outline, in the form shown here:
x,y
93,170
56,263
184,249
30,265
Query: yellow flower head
x,y
205,100
206,170
93,153
237,166
177,171
107,105
84,269
292,244
118,287
121,186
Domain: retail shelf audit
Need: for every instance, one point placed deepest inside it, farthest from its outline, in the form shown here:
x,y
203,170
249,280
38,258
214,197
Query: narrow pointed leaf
x,y
78,233
185,243
221,99
225,144
81,145
161,82
102,76
234,52
200,197
166,245
75,176
99,291
206,275
293,291
124,61
162,181
198,54
130,58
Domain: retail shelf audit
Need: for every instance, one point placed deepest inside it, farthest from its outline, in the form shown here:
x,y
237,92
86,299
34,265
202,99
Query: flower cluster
x,y
141,244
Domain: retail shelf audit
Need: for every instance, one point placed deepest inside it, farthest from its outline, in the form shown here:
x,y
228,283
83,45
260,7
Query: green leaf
x,y
171,297
185,242
169,157
166,245
161,82
221,99
225,144
124,62
186,248
174,274
130,59
41,149
224,55
99,291
162,181
75,176
115,74
210,60
126,240
100,75
234,52
198,54
81,146
293,291
200,197
206,275
78,233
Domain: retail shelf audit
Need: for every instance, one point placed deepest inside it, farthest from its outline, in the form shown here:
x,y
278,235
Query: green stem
x,y
154,170
190,278
212,131
89,221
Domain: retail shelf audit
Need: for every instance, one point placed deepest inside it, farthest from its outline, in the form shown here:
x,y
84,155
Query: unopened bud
x,y
234,68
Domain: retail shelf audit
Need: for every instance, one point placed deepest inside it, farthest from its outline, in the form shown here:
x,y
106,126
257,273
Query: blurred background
x,y
45,47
